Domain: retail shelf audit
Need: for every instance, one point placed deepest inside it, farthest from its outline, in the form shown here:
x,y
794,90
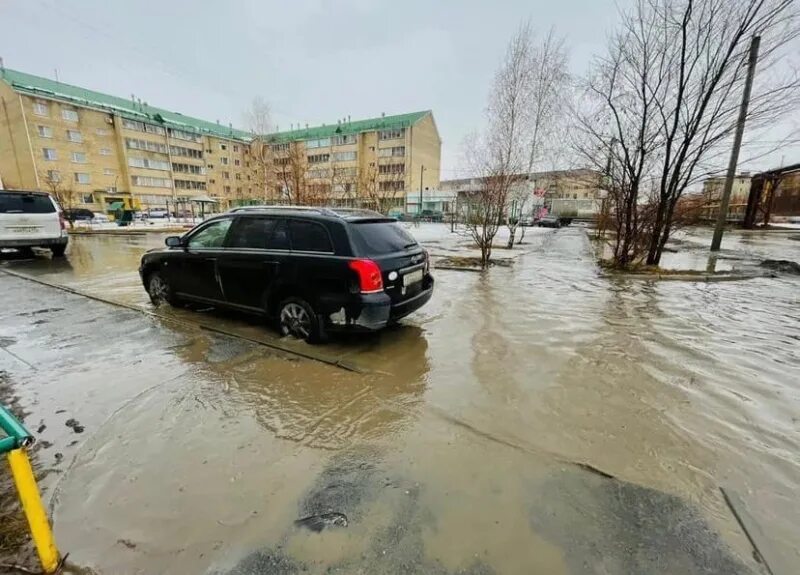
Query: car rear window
x,y
14,203
378,238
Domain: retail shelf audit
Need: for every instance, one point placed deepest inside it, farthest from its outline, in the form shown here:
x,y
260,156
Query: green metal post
x,y
14,428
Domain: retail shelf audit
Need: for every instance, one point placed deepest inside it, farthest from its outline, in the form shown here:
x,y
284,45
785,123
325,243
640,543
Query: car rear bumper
x,y
33,242
371,312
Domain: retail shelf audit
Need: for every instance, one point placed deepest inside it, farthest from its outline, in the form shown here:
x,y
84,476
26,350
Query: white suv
x,y
32,219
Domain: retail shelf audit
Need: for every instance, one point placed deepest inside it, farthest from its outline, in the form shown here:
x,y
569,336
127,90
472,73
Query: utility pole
x,y
722,216
421,169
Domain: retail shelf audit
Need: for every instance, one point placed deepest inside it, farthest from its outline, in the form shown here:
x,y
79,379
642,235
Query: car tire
x,y
297,318
159,290
58,250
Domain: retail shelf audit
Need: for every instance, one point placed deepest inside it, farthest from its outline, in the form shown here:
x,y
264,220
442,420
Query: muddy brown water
x,y
452,454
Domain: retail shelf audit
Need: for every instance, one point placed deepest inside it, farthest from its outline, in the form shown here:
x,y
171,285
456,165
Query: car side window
x,y
309,237
212,236
279,240
251,232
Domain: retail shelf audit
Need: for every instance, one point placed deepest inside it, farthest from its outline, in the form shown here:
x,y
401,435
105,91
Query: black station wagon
x,y
311,270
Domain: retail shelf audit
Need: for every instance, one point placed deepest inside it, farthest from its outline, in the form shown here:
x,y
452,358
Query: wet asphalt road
x,y
455,451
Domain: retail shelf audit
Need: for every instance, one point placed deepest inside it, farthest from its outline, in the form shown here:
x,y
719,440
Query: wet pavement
x,y
541,418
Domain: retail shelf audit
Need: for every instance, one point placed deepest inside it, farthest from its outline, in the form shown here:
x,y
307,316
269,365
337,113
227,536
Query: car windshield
x,y
16,203
378,238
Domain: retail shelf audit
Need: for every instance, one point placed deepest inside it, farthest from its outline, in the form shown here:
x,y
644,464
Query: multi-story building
x,y
101,151
104,150
712,195
379,162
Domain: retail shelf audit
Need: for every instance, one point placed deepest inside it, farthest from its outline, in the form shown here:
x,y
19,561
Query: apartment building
x,y
101,151
712,196
377,163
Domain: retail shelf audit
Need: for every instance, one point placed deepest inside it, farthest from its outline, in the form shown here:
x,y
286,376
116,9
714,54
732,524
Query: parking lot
x,y
540,417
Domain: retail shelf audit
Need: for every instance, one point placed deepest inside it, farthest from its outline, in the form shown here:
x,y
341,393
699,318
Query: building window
x,y
108,172
318,158
278,148
318,173
78,157
41,108
223,161
105,151
186,152
393,134
226,175
142,127
49,154
148,182
223,147
135,144
226,189
238,176
45,131
184,135
88,198
148,163
74,136
282,161
235,148
344,139
344,172
344,156
69,114
188,169
53,176
392,169
391,186
210,166
389,152
189,185
236,162
81,178
319,143
345,188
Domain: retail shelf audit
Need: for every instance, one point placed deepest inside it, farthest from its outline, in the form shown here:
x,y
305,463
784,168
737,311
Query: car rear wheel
x,y
58,251
159,290
297,318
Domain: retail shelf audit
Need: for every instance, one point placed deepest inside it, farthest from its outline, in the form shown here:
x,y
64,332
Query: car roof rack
x,y
326,211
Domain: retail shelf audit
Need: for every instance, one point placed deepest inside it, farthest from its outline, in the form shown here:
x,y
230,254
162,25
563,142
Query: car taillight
x,y
62,221
370,279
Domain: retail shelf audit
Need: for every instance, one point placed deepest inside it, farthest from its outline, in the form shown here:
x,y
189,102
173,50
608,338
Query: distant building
x,y
576,192
712,196
108,151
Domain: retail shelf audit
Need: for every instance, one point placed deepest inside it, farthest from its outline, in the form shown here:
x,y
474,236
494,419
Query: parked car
x,y
312,270
78,215
32,219
431,216
154,213
549,222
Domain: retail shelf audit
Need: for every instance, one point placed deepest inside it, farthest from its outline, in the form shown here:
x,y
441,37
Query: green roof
x,y
355,127
38,86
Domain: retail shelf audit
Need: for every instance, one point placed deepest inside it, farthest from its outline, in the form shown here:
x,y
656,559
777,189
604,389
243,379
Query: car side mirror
x,y
173,242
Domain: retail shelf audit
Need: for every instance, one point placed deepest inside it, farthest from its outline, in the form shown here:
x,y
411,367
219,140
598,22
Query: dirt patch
x,y
15,545
782,266
466,263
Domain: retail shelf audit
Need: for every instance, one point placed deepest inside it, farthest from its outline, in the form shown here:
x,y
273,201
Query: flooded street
x,y
538,418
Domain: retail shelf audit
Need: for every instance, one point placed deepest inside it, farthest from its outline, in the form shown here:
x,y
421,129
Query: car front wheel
x,y
297,318
159,290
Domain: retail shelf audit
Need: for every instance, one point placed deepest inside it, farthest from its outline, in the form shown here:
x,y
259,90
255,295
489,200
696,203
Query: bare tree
x,y
60,190
381,186
663,105
498,157
258,119
291,166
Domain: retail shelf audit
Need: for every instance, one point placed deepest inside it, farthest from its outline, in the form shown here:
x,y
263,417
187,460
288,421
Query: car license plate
x,y
412,278
25,229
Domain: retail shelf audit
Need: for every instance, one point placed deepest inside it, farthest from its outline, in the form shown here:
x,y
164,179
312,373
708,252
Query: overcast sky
x,y
315,61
